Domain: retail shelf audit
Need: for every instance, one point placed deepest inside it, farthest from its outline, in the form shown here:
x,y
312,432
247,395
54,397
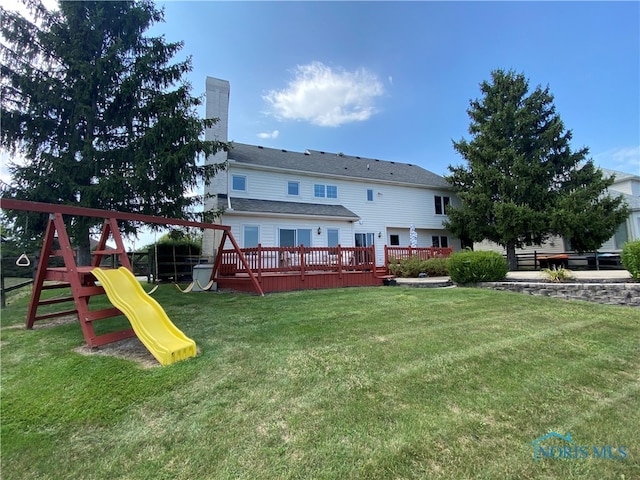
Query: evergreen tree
x,y
522,182
100,113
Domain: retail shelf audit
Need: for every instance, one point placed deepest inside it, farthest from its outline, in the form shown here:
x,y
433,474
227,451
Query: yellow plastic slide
x,y
150,322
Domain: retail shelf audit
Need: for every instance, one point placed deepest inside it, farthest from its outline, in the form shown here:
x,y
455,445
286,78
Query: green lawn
x,y
378,383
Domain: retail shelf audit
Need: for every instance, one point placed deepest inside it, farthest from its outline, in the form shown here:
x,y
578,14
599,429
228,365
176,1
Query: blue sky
x,y
393,80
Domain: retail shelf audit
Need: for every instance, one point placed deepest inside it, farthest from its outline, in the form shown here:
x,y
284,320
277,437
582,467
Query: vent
x,y
307,152
260,146
284,150
340,154
322,153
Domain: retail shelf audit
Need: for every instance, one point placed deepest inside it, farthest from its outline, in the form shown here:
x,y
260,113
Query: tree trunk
x,y
512,259
83,256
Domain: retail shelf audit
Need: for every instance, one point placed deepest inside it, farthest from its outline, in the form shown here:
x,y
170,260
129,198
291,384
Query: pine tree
x,y
100,113
522,182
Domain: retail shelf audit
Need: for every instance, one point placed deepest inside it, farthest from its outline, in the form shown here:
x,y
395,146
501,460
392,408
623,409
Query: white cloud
x,y
326,97
626,159
273,134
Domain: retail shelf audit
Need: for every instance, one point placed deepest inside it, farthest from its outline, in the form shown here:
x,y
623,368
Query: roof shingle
x,y
312,161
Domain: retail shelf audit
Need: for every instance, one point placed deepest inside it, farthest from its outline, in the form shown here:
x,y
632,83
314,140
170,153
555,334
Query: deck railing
x,y
298,260
424,253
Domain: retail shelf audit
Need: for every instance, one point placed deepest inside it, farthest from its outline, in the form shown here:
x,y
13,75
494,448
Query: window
x,y
322,191
290,237
369,195
293,188
439,241
441,204
394,240
333,237
239,183
621,236
251,236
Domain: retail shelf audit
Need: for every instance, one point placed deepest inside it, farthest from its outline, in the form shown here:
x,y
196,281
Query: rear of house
x,y
276,197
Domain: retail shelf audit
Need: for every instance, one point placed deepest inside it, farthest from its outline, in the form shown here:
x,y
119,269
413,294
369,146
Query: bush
x,y
473,267
558,275
412,267
437,267
631,258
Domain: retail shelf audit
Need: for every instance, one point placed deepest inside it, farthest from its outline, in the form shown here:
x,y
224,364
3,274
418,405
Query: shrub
x,y
558,274
631,258
412,267
437,267
472,267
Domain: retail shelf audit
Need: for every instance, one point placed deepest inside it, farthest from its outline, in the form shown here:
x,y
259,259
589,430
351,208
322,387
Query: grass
x,y
373,383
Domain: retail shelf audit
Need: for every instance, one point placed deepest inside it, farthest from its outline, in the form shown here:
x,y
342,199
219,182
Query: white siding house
x,y
626,185
281,198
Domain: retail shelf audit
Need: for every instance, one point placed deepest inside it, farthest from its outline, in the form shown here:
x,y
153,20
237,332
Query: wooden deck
x,y
282,269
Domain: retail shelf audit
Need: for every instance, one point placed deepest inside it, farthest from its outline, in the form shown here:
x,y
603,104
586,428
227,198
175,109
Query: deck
x,y
282,269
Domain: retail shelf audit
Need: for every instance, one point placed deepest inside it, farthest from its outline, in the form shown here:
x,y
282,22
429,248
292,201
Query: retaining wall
x,y
608,293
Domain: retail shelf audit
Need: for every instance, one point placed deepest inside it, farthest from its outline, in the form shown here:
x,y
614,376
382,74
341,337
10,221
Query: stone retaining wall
x,y
609,293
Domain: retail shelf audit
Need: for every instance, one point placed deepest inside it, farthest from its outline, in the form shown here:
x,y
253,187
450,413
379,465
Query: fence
x,y
298,259
590,261
15,274
424,253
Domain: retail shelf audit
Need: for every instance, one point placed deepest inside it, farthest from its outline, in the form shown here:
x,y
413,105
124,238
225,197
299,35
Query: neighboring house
x,y
281,198
626,185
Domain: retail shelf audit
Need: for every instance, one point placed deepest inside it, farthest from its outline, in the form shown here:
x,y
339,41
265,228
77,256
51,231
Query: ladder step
x,y
53,286
94,315
56,314
90,291
53,301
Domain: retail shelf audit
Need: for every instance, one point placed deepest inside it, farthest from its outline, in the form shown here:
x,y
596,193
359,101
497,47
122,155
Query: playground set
x,y
148,319
257,270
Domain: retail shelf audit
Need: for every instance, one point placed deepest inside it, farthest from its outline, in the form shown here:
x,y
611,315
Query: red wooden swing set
x,y
79,278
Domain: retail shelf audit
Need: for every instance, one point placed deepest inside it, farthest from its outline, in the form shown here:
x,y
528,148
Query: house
x,y
626,185
276,197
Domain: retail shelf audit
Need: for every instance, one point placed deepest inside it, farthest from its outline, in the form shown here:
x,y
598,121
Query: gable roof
x,y
336,164
632,200
620,176
251,205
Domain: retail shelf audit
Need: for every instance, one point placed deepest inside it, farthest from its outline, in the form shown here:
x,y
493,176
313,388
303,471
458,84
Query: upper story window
x,y
239,183
369,195
442,204
293,188
322,191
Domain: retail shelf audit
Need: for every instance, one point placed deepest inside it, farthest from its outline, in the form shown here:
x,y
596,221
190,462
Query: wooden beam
x,y
23,205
